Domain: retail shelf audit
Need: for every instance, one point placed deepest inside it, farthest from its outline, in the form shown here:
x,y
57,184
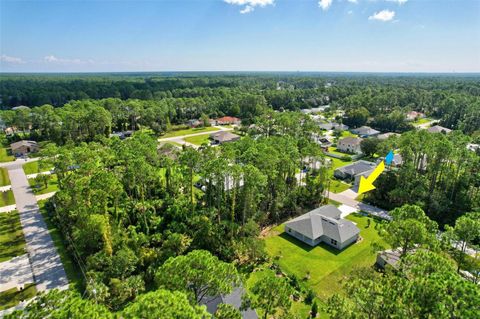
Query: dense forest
x,y
147,241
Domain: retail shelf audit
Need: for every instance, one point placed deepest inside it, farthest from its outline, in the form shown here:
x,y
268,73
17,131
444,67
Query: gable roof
x,y
324,221
350,140
365,130
359,167
224,136
22,143
234,299
438,129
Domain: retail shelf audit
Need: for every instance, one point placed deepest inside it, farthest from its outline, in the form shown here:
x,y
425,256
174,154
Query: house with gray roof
x,y
350,145
438,129
333,126
223,137
24,147
365,131
234,299
354,170
323,224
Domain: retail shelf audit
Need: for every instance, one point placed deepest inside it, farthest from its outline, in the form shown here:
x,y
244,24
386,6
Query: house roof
x,y
228,119
384,136
391,257
333,126
365,130
224,136
324,221
23,143
438,129
359,167
350,140
234,299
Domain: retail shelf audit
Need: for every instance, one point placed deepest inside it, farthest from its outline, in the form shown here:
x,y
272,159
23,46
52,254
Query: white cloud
x,y
353,1
400,2
11,59
384,15
54,59
250,4
324,4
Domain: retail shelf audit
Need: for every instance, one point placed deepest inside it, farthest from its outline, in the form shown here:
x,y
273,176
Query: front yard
x,y
12,242
6,198
326,267
4,179
337,186
198,140
189,131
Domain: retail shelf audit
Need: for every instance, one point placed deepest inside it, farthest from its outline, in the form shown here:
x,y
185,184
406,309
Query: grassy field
x,y
189,131
41,189
198,140
327,266
12,297
4,157
73,272
12,242
30,168
4,179
334,150
6,198
347,134
422,121
338,186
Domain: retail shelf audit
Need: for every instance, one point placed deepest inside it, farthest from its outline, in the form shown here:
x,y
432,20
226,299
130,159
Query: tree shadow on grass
x,y
308,248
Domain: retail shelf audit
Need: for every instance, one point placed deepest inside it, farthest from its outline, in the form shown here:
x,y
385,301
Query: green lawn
x,y
198,140
189,131
52,185
12,297
422,121
347,134
334,150
326,265
73,272
337,186
12,242
4,179
6,198
30,168
4,157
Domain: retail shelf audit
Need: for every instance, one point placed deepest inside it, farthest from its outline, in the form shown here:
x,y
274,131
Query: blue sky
x,y
240,35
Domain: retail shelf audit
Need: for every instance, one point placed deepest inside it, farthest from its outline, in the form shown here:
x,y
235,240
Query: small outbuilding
x,y
24,147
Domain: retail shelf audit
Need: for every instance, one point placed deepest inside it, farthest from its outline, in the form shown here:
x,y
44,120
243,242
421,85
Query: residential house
x,y
365,131
388,257
439,129
228,120
351,171
333,126
350,145
234,299
387,135
323,224
24,147
396,161
194,123
223,137
414,115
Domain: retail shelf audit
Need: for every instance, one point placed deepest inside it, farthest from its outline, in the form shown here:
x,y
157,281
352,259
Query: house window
x,y
333,242
289,230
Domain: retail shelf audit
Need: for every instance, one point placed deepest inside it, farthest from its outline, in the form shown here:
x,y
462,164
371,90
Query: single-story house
x,y
24,147
223,137
413,115
439,129
333,126
396,161
388,257
351,171
350,145
385,136
234,299
365,131
228,120
194,123
323,224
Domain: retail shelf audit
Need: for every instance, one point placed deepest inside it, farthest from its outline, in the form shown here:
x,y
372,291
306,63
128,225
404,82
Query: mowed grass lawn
x,y
198,140
4,157
32,168
12,297
12,242
6,198
189,131
4,179
38,189
337,186
327,266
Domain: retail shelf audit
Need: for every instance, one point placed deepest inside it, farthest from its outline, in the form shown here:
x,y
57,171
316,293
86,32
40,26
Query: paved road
x,y
46,263
347,198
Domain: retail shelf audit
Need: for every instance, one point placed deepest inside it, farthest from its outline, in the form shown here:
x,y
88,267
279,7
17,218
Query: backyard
x,y
326,266
12,242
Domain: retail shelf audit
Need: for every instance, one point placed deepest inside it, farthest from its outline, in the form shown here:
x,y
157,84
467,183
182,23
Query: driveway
x,y
348,198
46,263
180,139
15,273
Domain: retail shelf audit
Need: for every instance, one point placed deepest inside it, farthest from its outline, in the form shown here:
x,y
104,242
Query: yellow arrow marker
x,y
366,184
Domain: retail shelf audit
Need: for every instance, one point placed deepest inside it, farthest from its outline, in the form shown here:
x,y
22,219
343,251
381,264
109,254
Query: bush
x,y
346,158
314,311
309,297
